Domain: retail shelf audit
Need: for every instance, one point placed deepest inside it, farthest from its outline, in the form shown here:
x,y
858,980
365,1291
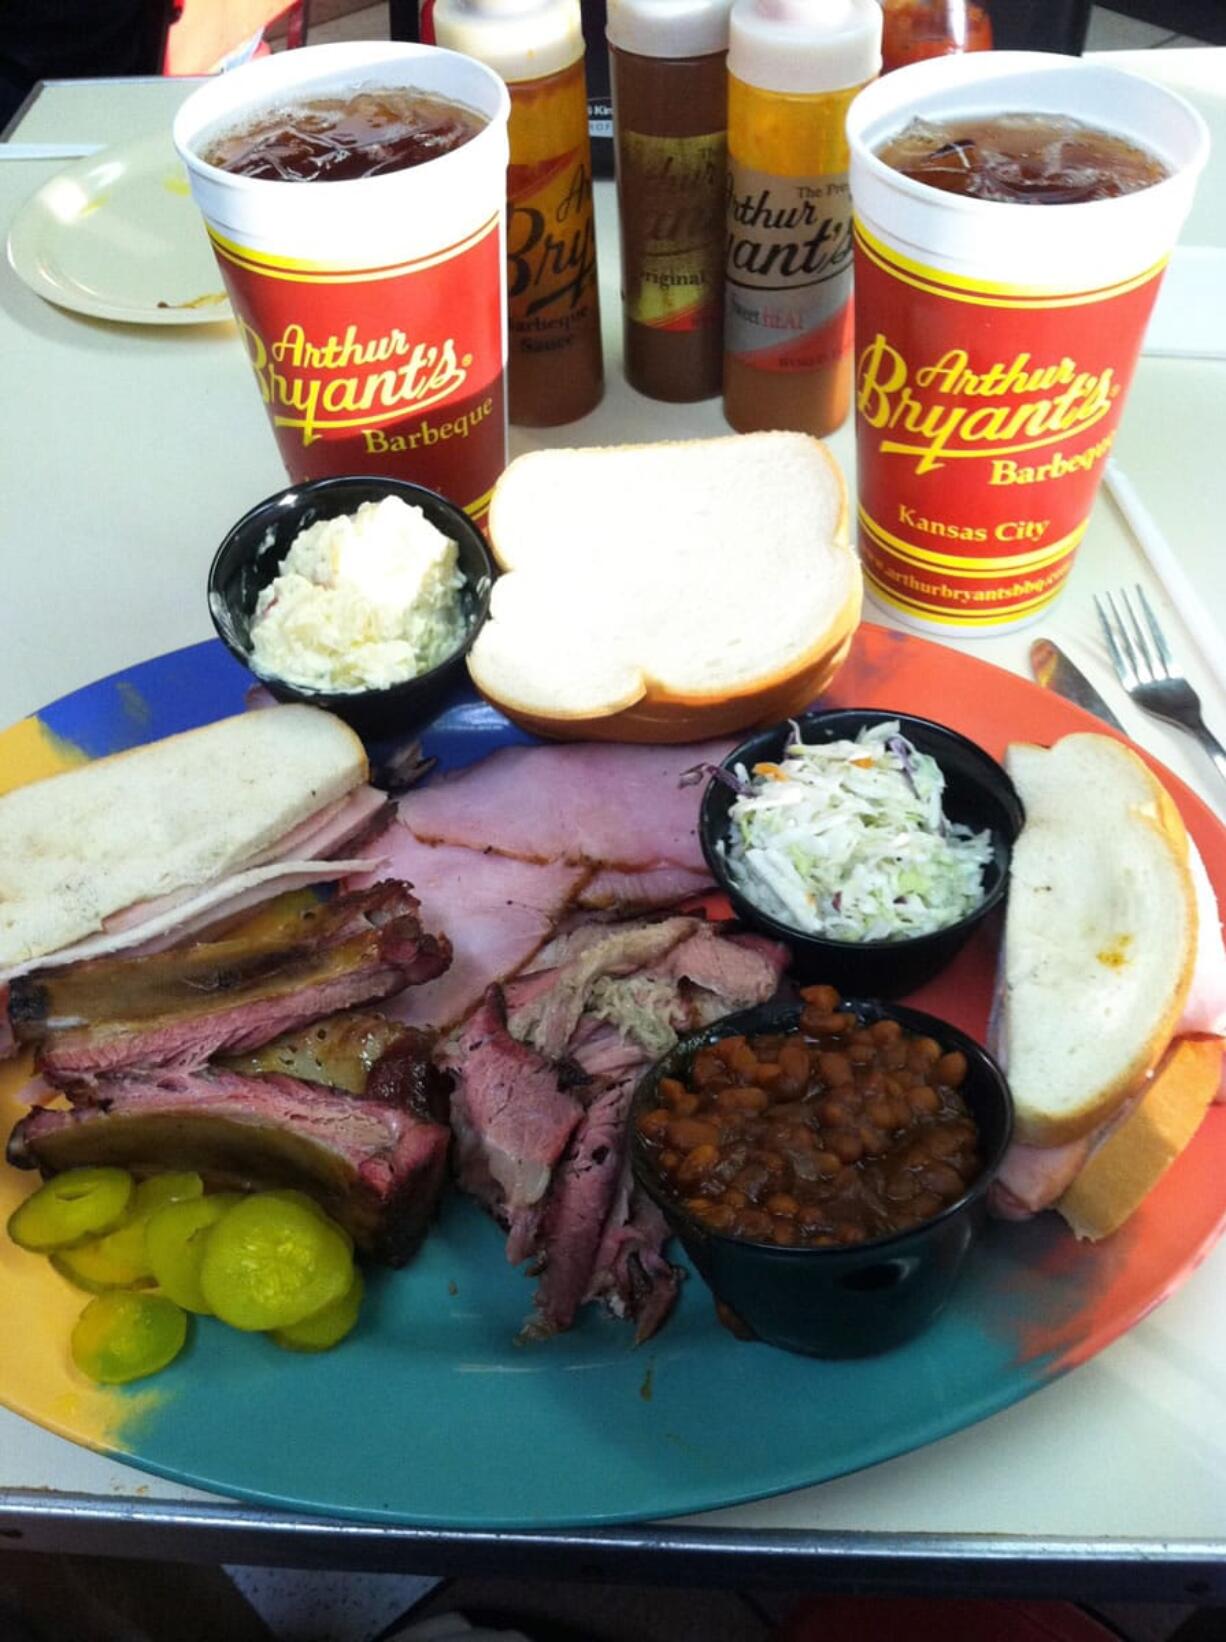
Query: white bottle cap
x,y
805,46
669,28
519,39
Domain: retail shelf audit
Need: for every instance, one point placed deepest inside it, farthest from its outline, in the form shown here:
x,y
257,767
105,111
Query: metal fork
x,y
1149,673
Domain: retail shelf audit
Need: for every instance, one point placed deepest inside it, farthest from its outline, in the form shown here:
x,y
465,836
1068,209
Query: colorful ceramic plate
x,y
431,1414
118,236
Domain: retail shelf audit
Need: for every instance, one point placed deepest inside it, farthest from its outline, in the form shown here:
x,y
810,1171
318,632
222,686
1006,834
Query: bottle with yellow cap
x,y
794,67
555,368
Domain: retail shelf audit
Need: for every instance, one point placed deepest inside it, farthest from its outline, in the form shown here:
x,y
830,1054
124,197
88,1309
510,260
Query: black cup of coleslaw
x,y
978,794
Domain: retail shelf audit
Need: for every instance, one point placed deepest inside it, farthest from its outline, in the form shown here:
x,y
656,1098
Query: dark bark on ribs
x,y
375,1167
269,975
8,1042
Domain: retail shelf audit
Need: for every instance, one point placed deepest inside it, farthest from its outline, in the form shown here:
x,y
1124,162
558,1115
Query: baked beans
x,y
835,1133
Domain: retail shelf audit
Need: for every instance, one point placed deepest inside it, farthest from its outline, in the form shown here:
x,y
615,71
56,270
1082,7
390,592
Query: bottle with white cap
x,y
794,67
670,126
555,370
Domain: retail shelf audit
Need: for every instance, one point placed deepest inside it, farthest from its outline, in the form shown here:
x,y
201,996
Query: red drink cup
x,y
995,342
373,311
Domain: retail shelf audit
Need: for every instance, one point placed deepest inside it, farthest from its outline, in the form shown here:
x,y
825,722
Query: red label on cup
x,y
984,418
395,371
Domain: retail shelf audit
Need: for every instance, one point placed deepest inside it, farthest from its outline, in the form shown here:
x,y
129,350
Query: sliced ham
x,y
1205,1007
496,912
316,839
607,805
1032,1178
211,905
613,888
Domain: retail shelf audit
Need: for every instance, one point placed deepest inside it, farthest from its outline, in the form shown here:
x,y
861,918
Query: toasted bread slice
x,y
1100,935
1146,1141
78,848
662,592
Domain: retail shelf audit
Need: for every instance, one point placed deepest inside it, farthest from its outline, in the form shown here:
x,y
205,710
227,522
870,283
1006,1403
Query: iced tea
x,y
1021,159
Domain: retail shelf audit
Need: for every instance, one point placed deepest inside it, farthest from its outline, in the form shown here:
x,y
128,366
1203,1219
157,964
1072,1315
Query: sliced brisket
x,y
579,1205
544,1093
631,1274
512,1121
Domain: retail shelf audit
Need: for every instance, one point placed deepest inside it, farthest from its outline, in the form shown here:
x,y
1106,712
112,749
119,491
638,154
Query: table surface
x,y
127,452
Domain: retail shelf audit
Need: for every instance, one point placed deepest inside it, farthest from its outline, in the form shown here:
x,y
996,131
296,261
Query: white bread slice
x,y
657,591
1146,1141
79,847
1100,934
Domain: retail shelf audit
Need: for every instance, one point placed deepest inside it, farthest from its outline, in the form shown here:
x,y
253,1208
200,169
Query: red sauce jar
x,y
913,30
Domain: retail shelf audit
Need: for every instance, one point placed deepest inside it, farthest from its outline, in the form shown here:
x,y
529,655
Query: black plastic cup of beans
x,y
825,1164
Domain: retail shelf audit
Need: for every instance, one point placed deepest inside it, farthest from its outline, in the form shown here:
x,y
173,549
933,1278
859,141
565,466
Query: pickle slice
x,y
291,1194
116,1261
176,1238
124,1336
120,1258
324,1329
70,1207
160,1189
271,1262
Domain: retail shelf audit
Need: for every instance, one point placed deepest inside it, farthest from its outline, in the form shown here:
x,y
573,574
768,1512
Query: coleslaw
x,y
849,840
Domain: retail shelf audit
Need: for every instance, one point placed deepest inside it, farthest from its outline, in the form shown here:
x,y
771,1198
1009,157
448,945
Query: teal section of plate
x,y
433,1414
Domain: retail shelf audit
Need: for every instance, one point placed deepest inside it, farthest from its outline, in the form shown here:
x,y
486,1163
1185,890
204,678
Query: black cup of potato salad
x,y
825,1164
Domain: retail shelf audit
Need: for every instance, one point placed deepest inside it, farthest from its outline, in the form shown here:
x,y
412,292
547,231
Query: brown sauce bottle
x,y
670,103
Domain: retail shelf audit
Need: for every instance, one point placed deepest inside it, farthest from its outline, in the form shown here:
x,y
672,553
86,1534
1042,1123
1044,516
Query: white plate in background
x,y
117,235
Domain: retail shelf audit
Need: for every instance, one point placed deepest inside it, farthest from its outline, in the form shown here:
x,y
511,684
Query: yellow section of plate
x,y
117,236
36,1369
29,751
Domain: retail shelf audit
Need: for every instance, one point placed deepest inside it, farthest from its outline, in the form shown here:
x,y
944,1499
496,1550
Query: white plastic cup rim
x,y
1074,244
404,212
315,71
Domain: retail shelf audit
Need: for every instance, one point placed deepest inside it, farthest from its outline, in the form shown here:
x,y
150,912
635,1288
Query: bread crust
x,y
658,713
160,818
676,722
1160,814
1145,1142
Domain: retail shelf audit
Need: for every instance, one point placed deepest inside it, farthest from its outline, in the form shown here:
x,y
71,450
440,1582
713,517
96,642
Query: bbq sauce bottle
x,y
555,369
670,120
914,30
794,67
